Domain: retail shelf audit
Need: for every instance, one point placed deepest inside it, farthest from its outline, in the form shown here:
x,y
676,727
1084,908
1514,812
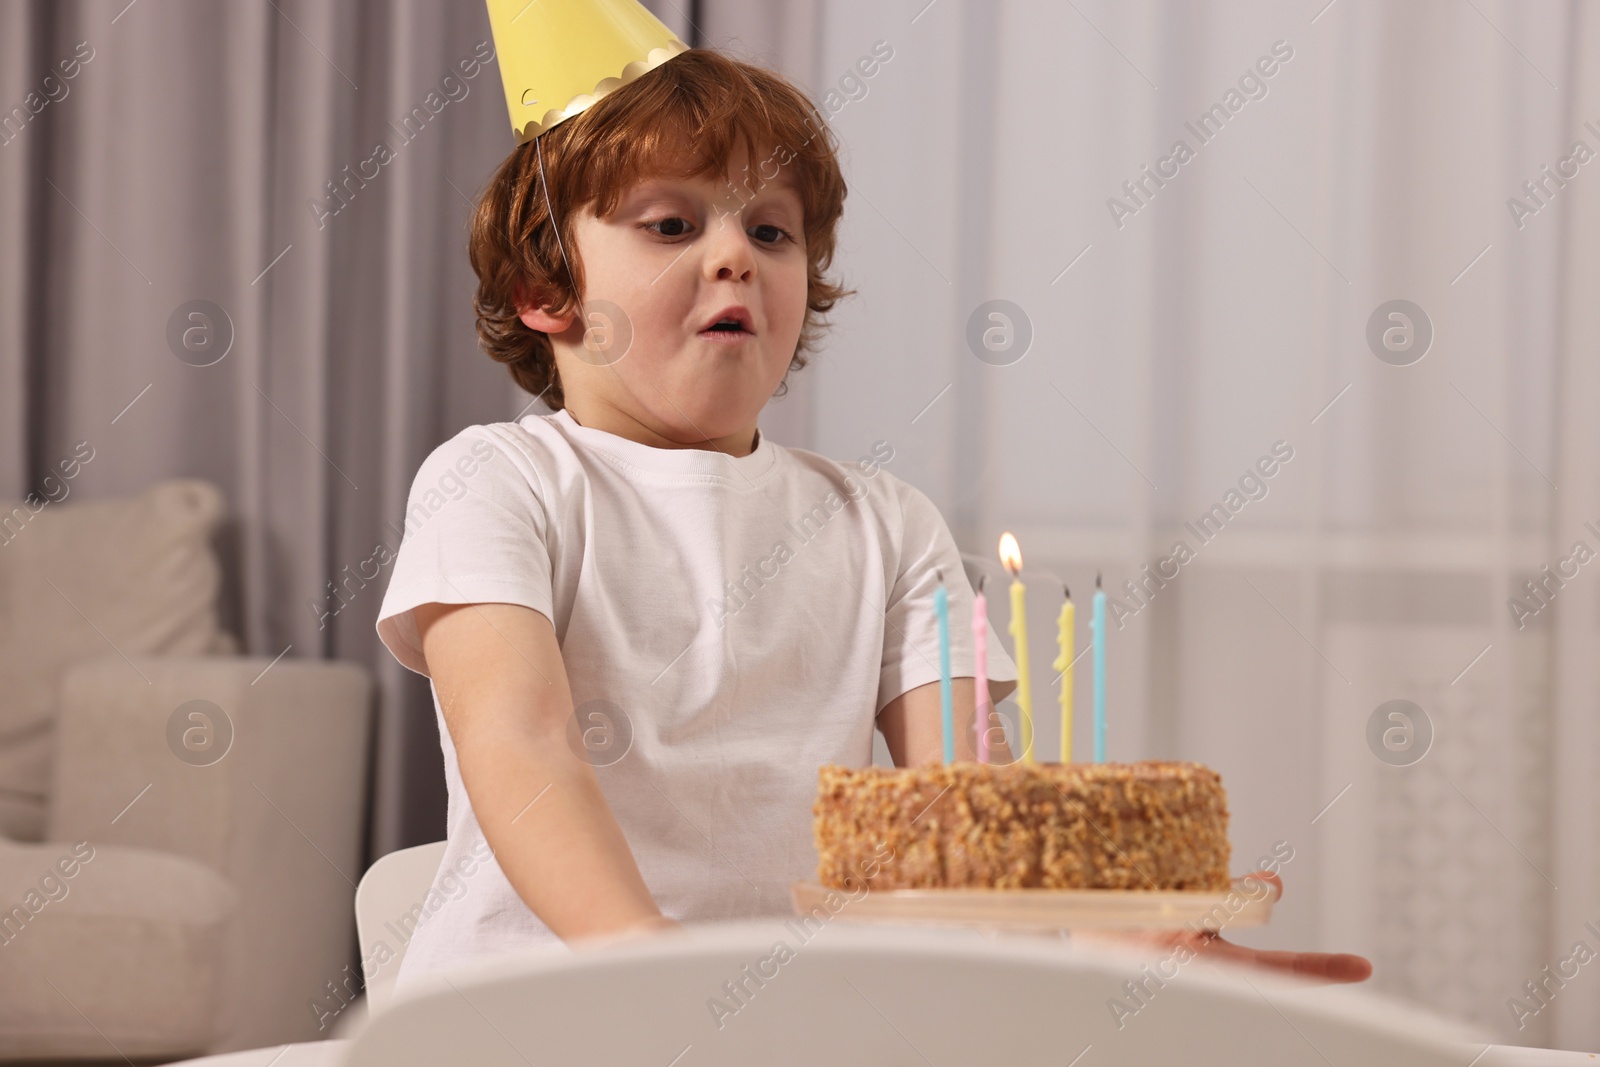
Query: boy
x,y
641,576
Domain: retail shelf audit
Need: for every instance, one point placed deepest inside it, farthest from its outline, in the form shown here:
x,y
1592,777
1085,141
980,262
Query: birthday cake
x,y
1140,826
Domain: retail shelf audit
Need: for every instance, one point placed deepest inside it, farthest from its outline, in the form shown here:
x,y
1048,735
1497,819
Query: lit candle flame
x,y
1010,553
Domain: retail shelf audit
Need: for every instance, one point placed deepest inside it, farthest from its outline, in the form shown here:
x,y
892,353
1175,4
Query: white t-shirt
x,y
728,625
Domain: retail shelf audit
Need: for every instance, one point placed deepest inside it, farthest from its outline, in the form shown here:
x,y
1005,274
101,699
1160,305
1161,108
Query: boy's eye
x,y
677,226
777,233
674,226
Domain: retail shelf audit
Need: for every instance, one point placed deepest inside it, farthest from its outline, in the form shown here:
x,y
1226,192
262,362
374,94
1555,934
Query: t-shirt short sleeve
x,y
911,625
475,531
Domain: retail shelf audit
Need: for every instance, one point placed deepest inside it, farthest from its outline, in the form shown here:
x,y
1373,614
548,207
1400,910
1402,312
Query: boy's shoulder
x,y
529,438
868,477
867,467
495,459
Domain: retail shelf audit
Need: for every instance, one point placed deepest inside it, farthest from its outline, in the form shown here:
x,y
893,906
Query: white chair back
x,y
851,995
388,900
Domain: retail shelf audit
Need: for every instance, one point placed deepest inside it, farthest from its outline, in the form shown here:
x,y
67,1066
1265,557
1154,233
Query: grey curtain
x,y
209,268
190,159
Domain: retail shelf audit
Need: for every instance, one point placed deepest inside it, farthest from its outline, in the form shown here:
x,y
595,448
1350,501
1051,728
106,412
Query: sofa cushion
x,y
84,580
109,951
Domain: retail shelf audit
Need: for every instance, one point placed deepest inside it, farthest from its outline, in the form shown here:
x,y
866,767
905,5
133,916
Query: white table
x,y
331,1054
930,979
304,1054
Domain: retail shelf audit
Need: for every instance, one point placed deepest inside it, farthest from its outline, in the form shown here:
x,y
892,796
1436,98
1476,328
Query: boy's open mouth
x,y
729,324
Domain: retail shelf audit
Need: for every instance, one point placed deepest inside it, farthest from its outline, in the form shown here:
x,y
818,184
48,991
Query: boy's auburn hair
x,y
699,105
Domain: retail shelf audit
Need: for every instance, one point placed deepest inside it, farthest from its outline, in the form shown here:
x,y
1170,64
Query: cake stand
x,y
1248,903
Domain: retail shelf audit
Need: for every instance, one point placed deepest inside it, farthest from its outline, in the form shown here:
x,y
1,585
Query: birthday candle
x,y
1011,556
1099,671
1063,663
941,607
980,655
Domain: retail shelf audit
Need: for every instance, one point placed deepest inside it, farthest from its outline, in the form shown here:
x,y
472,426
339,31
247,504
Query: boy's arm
x,y
506,702
913,723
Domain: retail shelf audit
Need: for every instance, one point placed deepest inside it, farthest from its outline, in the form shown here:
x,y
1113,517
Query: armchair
x,y
209,807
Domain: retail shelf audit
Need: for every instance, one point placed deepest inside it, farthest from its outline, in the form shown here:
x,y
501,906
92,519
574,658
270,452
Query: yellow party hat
x,y
557,57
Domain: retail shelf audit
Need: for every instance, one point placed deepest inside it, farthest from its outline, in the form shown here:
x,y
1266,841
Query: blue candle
x,y
1098,625
941,607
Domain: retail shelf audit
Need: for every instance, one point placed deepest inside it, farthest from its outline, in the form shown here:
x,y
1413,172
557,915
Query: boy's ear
x,y
536,317
541,320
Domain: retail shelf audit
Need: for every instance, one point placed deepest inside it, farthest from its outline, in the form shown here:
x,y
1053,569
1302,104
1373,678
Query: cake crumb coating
x,y
1142,826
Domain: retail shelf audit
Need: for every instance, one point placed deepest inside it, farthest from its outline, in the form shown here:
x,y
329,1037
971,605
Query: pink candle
x,y
980,652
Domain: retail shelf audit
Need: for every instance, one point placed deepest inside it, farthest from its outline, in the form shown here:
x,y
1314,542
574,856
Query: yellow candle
x,y
1011,557
1067,641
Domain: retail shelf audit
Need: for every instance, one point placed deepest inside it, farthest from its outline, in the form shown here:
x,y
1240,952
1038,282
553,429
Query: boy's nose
x,y
728,252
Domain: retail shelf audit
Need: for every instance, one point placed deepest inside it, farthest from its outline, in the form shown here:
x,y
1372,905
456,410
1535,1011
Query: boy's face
x,y
675,257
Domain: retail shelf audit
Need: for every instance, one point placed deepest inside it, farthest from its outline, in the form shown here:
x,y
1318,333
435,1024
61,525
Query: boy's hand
x,y
1317,966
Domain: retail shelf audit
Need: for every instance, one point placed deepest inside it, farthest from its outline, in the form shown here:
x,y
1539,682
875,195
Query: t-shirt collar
x,y
681,461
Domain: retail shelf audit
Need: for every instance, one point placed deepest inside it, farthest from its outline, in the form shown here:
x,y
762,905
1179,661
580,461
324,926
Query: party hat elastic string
x,y
544,187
